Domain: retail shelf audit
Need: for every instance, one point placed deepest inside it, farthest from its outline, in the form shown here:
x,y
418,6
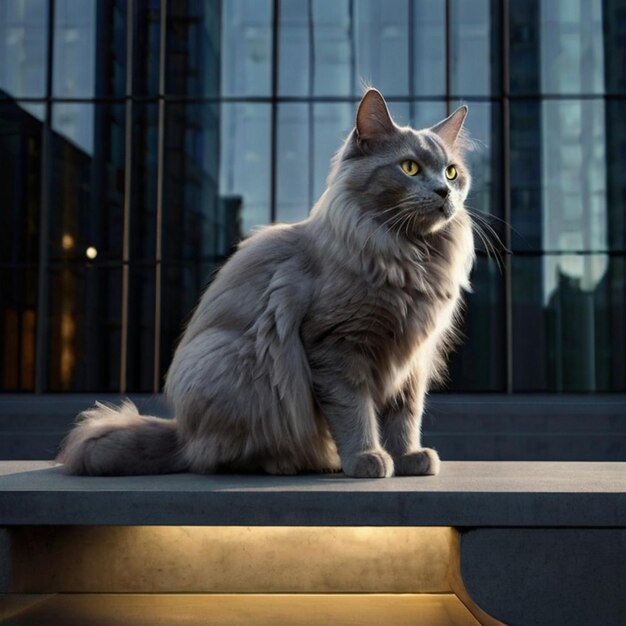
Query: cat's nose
x,y
441,191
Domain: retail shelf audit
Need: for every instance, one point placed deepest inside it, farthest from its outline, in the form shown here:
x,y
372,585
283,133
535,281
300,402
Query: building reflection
x,y
222,116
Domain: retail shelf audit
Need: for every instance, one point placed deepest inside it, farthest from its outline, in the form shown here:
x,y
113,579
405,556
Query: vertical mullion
x,y
41,349
128,163
411,55
448,55
158,269
274,122
310,112
506,192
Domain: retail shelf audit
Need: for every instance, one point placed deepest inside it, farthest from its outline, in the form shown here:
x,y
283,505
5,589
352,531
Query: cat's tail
x,y
118,441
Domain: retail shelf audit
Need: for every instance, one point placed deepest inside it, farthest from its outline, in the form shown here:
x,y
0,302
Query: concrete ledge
x,y
465,494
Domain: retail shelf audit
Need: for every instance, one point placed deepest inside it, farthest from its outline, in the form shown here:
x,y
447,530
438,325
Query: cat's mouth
x,y
446,209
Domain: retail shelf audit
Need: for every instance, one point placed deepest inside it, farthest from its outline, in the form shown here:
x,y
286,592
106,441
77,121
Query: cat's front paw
x,y
370,464
424,462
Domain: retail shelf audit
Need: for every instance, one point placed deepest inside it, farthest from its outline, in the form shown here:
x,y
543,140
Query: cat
x,y
314,347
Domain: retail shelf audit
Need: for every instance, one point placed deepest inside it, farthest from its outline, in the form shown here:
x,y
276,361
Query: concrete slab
x,y
465,494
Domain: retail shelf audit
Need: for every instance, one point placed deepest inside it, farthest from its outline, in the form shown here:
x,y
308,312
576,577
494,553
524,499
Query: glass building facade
x,y
141,139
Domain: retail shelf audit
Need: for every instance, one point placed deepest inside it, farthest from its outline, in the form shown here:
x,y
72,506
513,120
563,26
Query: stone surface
x,y
533,494
239,610
544,577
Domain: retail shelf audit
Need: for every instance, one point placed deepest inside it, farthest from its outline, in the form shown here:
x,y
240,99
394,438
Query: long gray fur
x,y
314,347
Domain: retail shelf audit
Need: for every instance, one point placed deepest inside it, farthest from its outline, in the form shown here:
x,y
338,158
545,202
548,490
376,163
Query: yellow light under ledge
x,y
193,559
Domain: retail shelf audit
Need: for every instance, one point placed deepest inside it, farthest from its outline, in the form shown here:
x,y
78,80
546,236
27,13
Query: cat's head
x,y
411,181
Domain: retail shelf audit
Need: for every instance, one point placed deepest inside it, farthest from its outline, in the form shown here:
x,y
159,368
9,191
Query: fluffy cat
x,y
313,348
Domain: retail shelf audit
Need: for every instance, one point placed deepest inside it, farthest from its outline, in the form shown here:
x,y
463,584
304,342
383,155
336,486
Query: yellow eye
x,y
410,168
451,172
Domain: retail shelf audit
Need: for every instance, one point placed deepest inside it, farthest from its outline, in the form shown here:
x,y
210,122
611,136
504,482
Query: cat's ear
x,y
373,121
450,128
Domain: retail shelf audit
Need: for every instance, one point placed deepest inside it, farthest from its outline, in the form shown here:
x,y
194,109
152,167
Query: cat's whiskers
x,y
489,237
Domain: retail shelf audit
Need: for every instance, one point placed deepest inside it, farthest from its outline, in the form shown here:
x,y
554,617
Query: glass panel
x,y
524,46
194,219
193,48
332,123
382,44
294,48
425,114
74,68
572,55
144,174
246,48
20,181
333,44
87,181
615,118
571,163
573,308
23,46
475,47
613,15
427,37
147,41
141,329
245,164
18,321
182,285
479,364
89,48
559,47
294,166
525,172
84,327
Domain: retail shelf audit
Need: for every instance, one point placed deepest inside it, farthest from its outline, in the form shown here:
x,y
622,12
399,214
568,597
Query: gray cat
x,y
313,348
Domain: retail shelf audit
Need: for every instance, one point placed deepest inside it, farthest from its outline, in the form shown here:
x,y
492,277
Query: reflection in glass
x,y
245,161
382,44
615,116
18,321
87,181
294,48
576,327
74,70
192,218
574,175
572,54
193,48
427,36
559,175
20,181
332,123
246,47
23,45
294,171
84,327
327,48
475,47
334,55
146,40
479,363
559,47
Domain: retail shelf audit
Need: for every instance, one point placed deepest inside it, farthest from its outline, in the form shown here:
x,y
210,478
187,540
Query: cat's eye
x,y
451,172
410,168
